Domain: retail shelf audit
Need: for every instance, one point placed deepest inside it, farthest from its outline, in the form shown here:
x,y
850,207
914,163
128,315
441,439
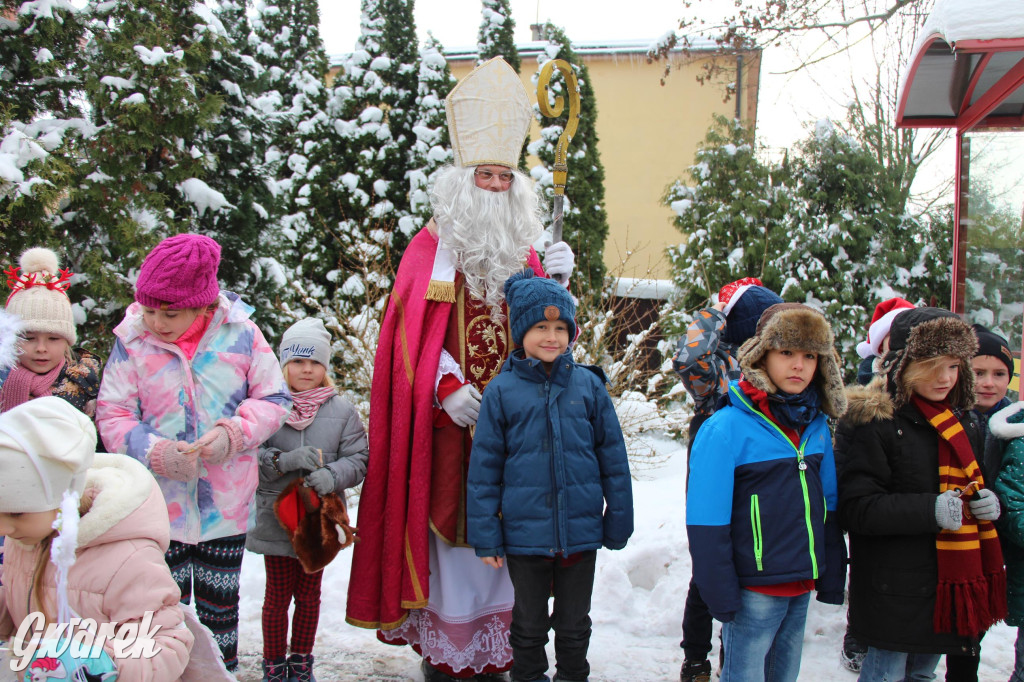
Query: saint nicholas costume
x,y
414,578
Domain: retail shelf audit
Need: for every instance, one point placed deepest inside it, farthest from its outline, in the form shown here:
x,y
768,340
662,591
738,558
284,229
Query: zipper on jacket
x,y
554,479
801,465
755,526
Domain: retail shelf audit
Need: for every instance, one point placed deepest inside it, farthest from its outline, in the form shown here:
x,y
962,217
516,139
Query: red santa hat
x,y
733,291
881,321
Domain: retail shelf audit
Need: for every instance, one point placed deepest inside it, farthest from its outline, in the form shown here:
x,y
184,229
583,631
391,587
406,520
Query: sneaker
x,y
300,668
275,671
852,659
695,671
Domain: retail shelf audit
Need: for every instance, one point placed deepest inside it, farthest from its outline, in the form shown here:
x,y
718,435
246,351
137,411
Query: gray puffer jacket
x,y
339,433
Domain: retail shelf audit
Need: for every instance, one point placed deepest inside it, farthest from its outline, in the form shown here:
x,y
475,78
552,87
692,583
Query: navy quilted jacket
x,y
548,472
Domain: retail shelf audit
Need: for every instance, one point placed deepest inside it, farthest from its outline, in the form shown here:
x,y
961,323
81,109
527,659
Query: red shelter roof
x,y
967,68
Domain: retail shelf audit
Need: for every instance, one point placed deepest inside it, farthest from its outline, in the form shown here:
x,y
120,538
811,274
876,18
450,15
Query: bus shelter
x,y
967,73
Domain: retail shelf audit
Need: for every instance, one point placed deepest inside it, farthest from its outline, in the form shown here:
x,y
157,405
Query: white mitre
x,y
489,115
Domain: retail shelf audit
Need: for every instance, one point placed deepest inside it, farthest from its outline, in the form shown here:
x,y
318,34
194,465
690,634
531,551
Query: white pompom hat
x,y
46,447
39,295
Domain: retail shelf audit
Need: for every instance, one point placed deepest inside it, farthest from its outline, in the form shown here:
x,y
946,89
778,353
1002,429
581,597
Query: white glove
x,y
985,505
463,406
559,261
949,510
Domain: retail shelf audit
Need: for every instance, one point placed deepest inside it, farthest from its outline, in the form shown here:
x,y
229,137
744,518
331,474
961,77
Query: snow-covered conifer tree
x,y
376,103
144,171
731,210
496,37
432,148
586,222
41,122
826,227
249,227
303,154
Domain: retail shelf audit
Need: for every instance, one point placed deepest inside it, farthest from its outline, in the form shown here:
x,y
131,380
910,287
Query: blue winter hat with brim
x,y
532,299
741,319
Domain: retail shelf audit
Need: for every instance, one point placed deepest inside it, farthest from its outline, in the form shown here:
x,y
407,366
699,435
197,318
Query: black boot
x,y
275,671
695,671
432,674
300,668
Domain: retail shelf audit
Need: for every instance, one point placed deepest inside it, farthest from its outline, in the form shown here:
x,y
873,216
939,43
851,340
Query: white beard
x,y
488,233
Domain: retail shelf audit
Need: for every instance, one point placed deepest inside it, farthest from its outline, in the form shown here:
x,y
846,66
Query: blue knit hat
x,y
531,299
744,310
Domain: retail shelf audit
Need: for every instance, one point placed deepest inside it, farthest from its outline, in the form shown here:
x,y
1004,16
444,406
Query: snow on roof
x,y
631,287
533,48
595,47
957,20
955,23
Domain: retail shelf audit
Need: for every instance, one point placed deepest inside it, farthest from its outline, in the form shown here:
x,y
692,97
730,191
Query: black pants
x,y
963,667
697,624
534,580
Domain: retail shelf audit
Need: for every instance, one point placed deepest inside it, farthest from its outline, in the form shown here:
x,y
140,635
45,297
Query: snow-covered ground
x,y
638,605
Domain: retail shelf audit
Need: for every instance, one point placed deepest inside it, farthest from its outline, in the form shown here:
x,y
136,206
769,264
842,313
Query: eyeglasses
x,y
505,177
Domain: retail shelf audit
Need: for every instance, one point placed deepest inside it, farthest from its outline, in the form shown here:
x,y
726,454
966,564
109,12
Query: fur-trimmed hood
x,y
925,333
1008,423
867,403
795,326
122,485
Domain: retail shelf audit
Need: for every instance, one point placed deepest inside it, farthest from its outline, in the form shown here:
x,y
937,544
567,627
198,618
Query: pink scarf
x,y
305,405
23,384
188,342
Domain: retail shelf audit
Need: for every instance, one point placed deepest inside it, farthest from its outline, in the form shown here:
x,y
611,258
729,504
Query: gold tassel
x,y
441,291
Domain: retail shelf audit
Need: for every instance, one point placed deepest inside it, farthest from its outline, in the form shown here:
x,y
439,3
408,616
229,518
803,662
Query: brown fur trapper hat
x,y
924,333
796,326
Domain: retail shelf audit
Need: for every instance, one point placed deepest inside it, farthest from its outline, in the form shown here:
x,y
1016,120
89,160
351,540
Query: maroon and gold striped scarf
x,y
971,594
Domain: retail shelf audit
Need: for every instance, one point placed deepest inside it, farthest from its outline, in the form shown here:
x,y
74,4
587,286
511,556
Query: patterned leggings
x,y
286,579
213,569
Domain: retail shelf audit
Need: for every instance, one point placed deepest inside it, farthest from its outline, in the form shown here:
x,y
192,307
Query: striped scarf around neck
x,y
971,592
305,405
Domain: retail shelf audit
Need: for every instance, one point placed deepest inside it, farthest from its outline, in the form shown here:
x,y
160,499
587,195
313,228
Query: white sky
x,y
455,22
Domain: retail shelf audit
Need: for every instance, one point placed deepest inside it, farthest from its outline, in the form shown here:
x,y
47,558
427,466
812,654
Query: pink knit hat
x,y
181,272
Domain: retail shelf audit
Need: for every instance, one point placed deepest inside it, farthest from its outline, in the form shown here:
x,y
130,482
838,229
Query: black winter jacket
x,y
887,460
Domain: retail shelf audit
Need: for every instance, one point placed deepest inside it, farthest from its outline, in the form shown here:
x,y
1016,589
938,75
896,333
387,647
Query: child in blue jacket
x,y
549,480
760,511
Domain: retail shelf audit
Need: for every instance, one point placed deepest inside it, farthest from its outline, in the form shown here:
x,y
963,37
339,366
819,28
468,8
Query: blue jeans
x,y
1018,664
882,665
535,579
763,643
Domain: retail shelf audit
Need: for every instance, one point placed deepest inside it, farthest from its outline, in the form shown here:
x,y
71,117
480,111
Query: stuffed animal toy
x,y
319,527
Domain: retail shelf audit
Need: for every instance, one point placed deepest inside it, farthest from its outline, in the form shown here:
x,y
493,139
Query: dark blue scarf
x,y
796,410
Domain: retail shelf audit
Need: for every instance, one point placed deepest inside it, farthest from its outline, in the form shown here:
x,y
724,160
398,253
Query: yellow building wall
x,y
648,135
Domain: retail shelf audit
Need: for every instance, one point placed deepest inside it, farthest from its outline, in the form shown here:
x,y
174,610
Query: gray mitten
x,y
322,481
306,458
949,510
984,505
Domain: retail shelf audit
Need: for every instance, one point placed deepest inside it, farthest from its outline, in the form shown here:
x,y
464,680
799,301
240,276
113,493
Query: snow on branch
x,y
203,196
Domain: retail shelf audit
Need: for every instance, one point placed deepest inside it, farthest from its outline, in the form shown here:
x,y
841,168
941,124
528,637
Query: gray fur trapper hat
x,y
924,333
800,327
